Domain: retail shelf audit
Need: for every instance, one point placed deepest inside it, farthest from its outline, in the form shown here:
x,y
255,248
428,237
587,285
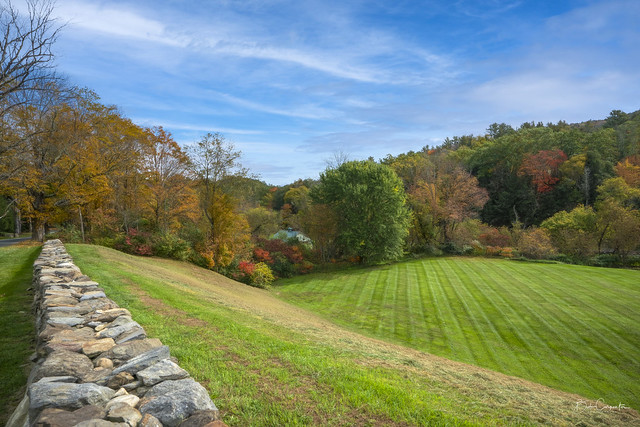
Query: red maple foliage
x,y
543,167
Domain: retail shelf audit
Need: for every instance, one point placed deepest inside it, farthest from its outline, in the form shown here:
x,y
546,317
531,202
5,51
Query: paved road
x,y
9,242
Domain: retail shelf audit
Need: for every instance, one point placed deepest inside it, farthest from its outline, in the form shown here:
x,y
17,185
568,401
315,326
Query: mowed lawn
x,y
573,328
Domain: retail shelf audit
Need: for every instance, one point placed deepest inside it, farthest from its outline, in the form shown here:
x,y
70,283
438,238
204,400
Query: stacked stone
x,y
95,365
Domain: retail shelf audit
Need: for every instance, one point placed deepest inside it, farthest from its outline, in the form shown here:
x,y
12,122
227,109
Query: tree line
x,y
69,161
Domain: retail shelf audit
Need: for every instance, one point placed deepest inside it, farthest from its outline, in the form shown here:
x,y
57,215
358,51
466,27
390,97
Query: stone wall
x,y
95,366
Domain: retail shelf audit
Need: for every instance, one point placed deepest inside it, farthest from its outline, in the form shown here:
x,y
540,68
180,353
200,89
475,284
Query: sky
x,y
292,83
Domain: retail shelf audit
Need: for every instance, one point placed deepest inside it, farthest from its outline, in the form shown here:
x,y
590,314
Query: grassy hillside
x,y
266,362
569,327
17,329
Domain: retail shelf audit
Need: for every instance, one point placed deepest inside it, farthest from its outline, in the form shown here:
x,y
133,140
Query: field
x,y
569,327
266,362
17,329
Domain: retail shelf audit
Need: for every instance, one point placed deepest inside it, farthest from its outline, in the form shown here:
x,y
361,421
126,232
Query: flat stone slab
x,y
66,396
161,371
144,360
134,334
92,295
69,321
96,347
55,417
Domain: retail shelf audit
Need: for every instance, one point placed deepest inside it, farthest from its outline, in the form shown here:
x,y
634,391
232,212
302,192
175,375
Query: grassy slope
x,y
17,331
269,363
569,327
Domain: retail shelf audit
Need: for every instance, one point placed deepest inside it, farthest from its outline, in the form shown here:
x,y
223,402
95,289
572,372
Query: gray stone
x,y
64,363
68,309
100,423
97,304
161,371
110,315
92,295
69,339
133,385
149,420
50,331
58,379
69,321
136,334
123,352
130,399
65,265
55,417
144,360
98,376
201,418
122,412
174,401
65,395
94,348
83,283
123,324
120,379
55,301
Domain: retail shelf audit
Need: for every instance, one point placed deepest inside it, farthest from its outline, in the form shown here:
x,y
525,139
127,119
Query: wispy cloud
x,y
199,127
117,21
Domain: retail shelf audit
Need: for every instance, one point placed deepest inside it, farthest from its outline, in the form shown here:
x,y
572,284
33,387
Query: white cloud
x,y
119,22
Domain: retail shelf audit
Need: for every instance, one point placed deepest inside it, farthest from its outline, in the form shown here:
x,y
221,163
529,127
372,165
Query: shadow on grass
x,y
17,332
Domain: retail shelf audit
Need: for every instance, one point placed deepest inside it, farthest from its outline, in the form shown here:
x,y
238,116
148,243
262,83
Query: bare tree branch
x,y
26,58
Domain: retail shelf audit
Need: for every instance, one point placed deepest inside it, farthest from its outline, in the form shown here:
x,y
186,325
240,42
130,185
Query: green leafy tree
x,y
369,200
574,233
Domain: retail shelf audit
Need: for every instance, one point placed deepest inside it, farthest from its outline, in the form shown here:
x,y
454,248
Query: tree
x,y
25,50
263,222
496,130
170,194
369,201
213,159
629,170
543,167
450,196
575,232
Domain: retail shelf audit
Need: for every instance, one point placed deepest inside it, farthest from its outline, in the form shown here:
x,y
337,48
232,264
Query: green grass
x,y
260,372
266,362
573,328
17,331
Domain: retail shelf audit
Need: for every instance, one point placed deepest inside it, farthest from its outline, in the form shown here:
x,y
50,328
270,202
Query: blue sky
x,y
290,83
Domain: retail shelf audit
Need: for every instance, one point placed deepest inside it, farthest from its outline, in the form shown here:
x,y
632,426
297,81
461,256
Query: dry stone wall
x,y
95,365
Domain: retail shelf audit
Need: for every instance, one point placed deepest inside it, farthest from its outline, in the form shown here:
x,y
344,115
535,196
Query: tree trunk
x,y
81,223
38,231
17,221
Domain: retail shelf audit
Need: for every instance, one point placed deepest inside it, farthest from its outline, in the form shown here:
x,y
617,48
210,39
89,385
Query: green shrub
x,y
170,246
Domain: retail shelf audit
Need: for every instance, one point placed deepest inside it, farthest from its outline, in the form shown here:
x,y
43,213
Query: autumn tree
x,y
170,194
370,203
213,159
543,167
450,196
629,170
